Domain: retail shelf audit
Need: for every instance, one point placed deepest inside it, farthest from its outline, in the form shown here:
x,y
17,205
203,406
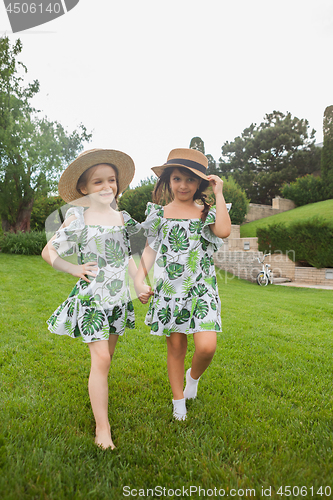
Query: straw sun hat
x,y
68,180
192,159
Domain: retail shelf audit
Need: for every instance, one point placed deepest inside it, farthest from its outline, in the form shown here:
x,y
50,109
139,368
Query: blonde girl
x,y
99,307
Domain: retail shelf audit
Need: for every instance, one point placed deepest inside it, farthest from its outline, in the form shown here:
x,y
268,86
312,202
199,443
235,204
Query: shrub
x,y
134,201
305,190
23,243
234,194
311,240
42,208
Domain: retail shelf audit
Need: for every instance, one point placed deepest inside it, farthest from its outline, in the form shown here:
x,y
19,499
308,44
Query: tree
x,y
327,152
33,150
198,144
264,157
212,167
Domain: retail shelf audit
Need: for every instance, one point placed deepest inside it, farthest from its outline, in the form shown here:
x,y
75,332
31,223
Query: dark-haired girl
x,y
181,239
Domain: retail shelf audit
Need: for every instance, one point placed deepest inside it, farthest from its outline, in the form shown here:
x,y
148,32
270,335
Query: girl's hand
x,y
217,183
143,292
89,268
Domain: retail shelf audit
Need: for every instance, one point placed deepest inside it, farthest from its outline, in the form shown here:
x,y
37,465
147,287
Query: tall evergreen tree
x,y
197,143
327,152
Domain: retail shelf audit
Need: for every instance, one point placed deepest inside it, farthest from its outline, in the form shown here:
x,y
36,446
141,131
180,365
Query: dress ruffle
x,y
81,315
184,315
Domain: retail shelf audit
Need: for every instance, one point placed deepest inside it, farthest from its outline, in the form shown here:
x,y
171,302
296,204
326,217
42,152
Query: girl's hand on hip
x,y
89,268
216,182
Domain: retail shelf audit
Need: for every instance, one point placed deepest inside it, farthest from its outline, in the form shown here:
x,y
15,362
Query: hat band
x,y
187,163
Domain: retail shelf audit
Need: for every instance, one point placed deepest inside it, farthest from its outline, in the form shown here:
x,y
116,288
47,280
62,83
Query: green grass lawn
x,y
263,416
322,209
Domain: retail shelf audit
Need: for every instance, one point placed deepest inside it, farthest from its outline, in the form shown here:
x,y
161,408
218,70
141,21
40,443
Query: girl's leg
x,y
101,354
205,346
177,346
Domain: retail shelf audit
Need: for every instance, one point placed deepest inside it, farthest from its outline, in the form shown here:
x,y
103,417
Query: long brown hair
x,y
162,192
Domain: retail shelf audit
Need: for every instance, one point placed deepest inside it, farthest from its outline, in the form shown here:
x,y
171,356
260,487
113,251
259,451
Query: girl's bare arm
x,y
51,256
222,226
146,263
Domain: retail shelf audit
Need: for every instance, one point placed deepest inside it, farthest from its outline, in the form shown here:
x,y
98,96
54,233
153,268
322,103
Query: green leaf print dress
x,y
102,307
186,298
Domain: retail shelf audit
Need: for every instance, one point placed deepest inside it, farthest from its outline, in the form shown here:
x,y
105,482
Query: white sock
x,y
179,409
191,388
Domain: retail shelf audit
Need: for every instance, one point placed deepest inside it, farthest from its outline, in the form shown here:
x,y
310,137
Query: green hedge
x,y
305,190
23,243
311,240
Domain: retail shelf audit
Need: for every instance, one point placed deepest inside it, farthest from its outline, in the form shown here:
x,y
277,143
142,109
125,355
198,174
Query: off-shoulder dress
x,y
186,297
102,307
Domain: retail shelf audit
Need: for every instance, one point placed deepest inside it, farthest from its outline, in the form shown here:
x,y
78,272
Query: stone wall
x,y
314,276
242,264
245,265
279,205
282,204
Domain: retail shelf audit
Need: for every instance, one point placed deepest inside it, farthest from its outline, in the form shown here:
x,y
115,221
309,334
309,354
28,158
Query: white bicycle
x,y
265,276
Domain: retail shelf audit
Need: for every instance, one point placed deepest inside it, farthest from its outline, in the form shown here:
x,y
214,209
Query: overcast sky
x,y
147,76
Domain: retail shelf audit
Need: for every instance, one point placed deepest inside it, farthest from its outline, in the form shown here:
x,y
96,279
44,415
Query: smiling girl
x,y
181,239
99,307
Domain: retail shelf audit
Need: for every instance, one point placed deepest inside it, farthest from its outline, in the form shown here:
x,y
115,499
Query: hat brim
x,y
68,180
159,170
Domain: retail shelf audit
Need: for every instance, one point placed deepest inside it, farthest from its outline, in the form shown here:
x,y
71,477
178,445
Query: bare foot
x,y
104,440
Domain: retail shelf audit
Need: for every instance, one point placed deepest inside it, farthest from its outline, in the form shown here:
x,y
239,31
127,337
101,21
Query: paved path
x,y
305,285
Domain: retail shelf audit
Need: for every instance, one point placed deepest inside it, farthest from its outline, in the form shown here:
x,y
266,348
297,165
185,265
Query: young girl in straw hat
x,y
99,307
182,237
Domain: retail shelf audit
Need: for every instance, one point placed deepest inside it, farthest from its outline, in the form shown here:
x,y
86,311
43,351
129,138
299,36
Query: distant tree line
x,y
278,157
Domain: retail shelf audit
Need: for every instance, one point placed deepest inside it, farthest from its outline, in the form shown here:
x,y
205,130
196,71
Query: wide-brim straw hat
x,y
68,180
192,159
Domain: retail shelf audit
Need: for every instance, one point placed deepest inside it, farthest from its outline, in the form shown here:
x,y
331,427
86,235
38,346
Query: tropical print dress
x,y
186,298
102,307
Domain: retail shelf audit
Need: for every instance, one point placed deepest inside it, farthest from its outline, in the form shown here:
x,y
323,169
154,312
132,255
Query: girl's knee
x,y
103,360
100,357
206,351
177,353
177,345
